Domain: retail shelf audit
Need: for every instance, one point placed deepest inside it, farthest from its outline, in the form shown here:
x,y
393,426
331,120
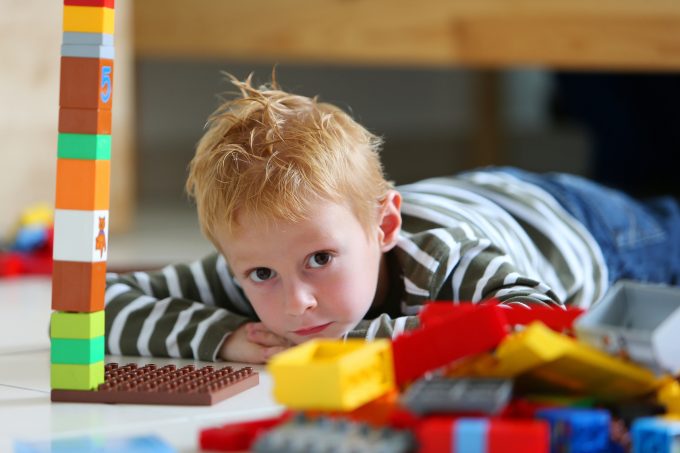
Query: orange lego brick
x,y
84,121
78,286
187,386
83,184
86,83
88,19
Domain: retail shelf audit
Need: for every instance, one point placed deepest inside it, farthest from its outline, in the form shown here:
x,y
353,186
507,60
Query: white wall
x,y
30,40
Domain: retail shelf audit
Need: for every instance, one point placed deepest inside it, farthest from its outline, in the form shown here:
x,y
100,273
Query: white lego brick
x,y
639,321
78,236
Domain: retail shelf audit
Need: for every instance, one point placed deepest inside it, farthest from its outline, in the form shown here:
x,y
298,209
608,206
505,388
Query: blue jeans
x,y
640,239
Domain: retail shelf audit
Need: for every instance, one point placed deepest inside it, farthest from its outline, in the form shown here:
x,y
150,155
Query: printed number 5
x,y
106,84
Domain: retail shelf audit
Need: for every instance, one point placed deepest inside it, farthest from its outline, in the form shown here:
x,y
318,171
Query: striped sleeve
x,y
383,327
182,310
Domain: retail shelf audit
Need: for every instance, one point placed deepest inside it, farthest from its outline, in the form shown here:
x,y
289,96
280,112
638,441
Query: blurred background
x,y
450,85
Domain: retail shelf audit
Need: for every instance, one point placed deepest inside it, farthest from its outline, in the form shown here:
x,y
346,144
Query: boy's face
x,y
314,278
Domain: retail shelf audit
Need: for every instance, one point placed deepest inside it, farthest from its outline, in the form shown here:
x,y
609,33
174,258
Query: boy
x,y
313,241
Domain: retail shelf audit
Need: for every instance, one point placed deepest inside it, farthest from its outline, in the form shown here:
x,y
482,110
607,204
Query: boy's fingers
x,y
266,338
269,352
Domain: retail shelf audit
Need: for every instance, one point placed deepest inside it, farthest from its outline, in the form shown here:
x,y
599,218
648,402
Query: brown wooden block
x,y
86,83
149,384
84,121
78,286
83,184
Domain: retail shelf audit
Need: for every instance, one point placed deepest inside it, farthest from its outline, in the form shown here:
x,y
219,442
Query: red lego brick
x,y
187,386
557,318
86,83
85,121
435,435
510,436
100,3
451,337
238,436
78,286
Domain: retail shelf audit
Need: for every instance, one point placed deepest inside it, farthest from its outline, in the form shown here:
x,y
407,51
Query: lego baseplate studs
x,y
149,384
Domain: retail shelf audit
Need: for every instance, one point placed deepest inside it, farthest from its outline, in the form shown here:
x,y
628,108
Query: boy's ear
x,y
390,220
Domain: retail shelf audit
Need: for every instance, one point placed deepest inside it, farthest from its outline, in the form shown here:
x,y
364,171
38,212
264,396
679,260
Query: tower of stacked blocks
x,y
81,218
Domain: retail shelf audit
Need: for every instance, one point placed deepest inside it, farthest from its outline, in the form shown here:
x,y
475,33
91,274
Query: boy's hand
x,y
252,343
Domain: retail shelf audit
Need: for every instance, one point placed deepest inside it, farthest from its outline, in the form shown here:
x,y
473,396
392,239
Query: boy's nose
x,y
298,300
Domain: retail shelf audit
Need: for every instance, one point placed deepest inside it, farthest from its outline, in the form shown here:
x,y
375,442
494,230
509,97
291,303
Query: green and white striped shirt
x,y
471,237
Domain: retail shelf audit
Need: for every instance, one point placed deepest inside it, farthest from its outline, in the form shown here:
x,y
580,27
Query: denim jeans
x,y
640,239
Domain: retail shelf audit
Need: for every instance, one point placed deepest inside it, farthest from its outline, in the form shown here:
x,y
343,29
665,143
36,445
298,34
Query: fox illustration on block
x,y
100,241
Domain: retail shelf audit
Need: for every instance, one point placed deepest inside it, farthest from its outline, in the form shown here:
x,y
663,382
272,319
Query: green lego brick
x,y
77,377
84,146
77,325
77,350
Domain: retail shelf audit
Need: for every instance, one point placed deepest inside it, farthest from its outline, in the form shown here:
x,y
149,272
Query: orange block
x,y
86,83
83,184
78,286
85,121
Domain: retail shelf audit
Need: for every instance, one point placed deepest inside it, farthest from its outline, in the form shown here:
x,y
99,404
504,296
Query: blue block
x,y
577,430
650,434
96,444
470,435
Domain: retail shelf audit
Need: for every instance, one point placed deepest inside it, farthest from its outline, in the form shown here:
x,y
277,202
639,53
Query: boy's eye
x,y
261,274
320,259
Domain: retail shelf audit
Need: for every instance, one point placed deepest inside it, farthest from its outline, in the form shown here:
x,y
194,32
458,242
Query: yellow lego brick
x,y
547,360
77,325
669,396
332,374
77,377
551,361
88,19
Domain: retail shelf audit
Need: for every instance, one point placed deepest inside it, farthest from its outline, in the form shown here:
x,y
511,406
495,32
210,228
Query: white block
x,y
78,236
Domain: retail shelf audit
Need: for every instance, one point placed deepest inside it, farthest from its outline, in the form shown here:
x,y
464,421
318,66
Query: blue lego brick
x,y
96,444
470,435
655,435
577,430
87,39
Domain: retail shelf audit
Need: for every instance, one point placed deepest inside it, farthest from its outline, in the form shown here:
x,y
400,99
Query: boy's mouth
x,y
311,330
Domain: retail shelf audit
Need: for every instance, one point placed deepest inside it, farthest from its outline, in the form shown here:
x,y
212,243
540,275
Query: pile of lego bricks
x,y
480,378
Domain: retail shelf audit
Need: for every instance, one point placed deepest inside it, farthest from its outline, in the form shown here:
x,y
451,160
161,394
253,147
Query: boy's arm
x,y
180,311
383,327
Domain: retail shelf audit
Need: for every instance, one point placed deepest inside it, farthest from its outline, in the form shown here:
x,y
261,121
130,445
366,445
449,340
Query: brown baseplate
x,y
150,384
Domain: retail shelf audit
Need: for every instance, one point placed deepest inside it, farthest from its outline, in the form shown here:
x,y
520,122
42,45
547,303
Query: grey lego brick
x,y
464,395
325,435
87,39
87,51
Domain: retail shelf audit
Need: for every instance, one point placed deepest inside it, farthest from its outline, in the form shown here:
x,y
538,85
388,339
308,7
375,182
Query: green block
x,y
76,377
84,146
77,325
77,350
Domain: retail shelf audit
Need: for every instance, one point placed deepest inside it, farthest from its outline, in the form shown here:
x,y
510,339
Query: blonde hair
x,y
270,153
